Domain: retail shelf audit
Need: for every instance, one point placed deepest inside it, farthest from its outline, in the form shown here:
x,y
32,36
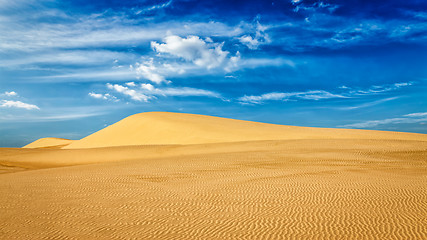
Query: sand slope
x,y
328,184
179,128
49,143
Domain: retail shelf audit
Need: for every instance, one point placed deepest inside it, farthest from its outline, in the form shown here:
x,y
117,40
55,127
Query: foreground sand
x,y
277,189
312,189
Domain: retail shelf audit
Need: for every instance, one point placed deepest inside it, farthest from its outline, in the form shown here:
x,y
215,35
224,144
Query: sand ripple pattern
x,y
281,190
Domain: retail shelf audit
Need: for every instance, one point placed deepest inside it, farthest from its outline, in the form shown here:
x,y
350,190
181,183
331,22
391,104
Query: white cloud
x,y
74,57
91,75
420,114
194,49
25,34
191,56
375,123
280,96
17,104
177,91
147,86
105,96
257,62
149,71
318,94
155,7
368,104
133,94
382,88
251,43
321,94
131,84
47,117
146,91
314,6
257,39
11,94
96,95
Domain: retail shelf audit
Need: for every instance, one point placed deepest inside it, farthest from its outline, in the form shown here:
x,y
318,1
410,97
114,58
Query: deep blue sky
x,y
69,68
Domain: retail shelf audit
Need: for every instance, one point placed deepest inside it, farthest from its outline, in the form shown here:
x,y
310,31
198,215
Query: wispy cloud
x,y
18,104
368,104
96,30
48,117
313,7
408,118
420,114
380,88
346,92
281,96
115,74
144,92
154,7
177,91
67,57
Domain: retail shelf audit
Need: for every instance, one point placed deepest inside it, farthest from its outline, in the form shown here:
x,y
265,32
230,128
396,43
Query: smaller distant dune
x,y
49,142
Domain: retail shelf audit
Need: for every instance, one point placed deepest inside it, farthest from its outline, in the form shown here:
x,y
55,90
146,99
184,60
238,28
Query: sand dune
x,y
178,128
49,143
344,184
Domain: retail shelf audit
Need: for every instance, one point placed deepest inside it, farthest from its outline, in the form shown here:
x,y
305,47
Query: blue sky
x,y
69,68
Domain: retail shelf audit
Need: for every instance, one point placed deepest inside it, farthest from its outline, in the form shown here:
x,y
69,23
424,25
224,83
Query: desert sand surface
x,y
219,179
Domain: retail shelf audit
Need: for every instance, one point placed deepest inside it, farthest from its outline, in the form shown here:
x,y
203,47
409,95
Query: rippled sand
x,y
273,189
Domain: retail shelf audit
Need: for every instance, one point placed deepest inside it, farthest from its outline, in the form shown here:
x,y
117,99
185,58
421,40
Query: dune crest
x,y
164,128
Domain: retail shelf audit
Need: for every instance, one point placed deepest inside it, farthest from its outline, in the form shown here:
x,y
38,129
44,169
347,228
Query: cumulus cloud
x,y
11,94
149,71
202,53
133,94
96,95
17,104
190,55
105,96
131,84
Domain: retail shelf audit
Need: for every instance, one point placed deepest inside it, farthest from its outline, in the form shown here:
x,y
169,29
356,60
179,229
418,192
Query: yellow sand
x,y
49,143
313,188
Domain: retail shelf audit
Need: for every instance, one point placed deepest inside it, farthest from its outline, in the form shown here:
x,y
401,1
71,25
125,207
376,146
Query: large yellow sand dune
x,y
262,181
177,128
